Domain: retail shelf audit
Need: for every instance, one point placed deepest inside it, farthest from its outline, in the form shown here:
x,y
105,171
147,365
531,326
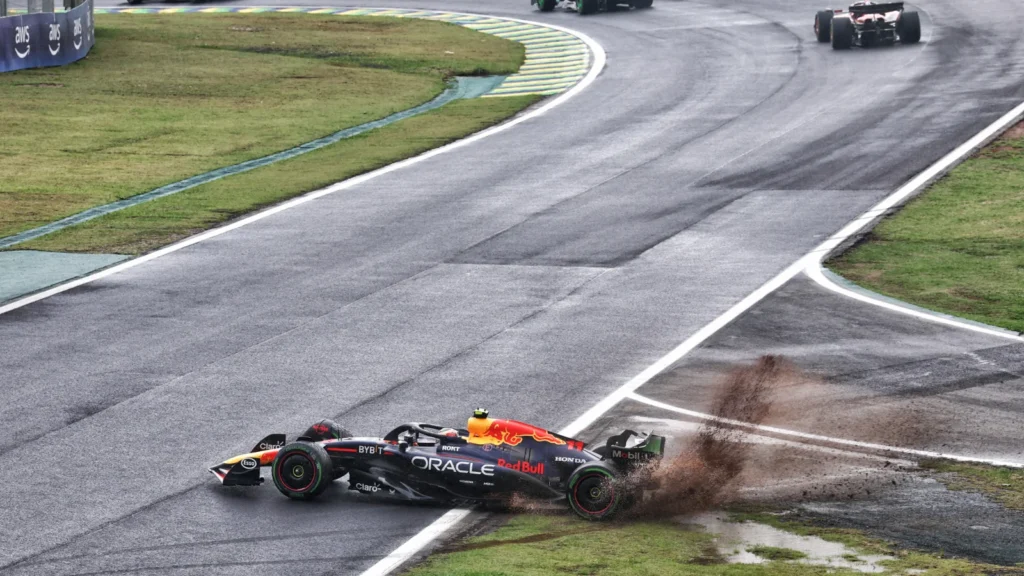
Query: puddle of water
x,y
735,538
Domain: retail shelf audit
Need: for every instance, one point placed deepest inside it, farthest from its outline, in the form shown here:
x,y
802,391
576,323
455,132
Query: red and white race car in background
x,y
867,24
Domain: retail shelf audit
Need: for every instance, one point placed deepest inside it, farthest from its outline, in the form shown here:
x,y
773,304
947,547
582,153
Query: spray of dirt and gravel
x,y
722,465
705,474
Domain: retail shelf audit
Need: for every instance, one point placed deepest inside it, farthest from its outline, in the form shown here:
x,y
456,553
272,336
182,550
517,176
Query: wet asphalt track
x,y
532,272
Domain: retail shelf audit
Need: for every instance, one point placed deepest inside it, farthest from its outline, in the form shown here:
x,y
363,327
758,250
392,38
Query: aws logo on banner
x,y
21,36
77,33
54,45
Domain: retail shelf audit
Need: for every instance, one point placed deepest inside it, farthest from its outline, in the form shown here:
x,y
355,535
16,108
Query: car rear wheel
x,y
641,4
823,26
302,471
584,7
910,28
546,5
593,492
842,33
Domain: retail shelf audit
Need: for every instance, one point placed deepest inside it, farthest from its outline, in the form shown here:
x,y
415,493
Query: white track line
x,y
819,438
406,551
814,265
815,272
598,65
814,257
811,259
762,437
422,538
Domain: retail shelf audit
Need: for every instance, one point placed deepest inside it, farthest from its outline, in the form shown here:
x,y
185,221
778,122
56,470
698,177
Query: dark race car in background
x,y
490,461
867,24
584,7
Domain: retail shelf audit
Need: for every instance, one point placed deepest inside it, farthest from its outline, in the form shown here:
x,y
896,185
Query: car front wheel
x,y
302,471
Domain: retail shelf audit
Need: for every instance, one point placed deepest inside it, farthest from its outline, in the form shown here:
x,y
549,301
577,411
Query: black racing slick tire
x,y
910,28
842,33
584,7
546,5
594,492
823,26
302,471
325,430
642,4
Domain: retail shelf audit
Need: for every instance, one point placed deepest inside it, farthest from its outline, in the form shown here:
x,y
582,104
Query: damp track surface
x,y
532,272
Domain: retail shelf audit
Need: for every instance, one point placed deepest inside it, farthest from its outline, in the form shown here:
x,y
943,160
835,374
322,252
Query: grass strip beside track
x,y
959,247
1004,485
162,98
535,545
144,227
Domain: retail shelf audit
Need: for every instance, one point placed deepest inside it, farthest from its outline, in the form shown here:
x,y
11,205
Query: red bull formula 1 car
x,y
868,24
488,462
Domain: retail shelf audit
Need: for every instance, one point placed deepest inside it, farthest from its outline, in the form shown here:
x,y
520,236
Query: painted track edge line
x,y
817,273
815,256
820,438
812,258
403,553
449,519
596,67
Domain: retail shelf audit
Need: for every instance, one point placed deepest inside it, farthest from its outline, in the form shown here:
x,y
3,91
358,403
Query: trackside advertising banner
x,y
46,39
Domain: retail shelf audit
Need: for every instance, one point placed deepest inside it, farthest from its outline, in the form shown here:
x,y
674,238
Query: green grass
x,y
959,247
1004,485
535,545
146,226
775,553
162,98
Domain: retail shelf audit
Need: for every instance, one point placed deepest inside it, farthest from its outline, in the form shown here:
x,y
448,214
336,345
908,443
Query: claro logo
x,y
471,468
21,36
54,45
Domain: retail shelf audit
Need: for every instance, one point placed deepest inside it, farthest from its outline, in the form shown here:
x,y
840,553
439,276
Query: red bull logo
x,y
524,467
512,433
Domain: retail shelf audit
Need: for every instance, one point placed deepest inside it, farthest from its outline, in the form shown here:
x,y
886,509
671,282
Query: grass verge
x,y
144,227
959,247
1004,485
161,98
531,545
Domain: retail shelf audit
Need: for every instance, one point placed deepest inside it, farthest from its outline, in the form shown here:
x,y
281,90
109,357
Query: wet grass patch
x,y
1003,485
533,545
162,98
959,247
147,226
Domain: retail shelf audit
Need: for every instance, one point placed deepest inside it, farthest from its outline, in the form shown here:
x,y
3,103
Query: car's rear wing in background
x,y
876,8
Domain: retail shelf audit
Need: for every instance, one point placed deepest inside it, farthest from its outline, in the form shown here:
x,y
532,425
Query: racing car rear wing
x,y
876,8
631,449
